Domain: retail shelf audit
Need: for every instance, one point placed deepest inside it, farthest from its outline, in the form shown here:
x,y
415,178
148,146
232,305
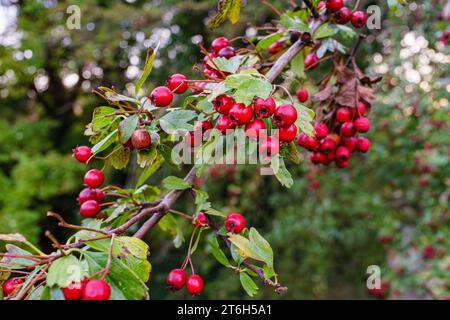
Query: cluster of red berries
x,y
162,96
90,198
342,14
87,290
220,47
327,146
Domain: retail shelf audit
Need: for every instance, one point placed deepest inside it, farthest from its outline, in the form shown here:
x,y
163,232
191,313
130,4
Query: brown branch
x,y
355,48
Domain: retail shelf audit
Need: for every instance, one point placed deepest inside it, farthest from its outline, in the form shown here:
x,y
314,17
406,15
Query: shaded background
x,y
389,208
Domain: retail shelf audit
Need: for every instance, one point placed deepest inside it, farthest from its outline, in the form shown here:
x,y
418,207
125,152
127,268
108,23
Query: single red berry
x,y
285,115
227,52
363,144
224,123
223,104
310,143
194,284
343,114
86,194
342,164
347,129
288,134
161,96
219,43
335,5
203,125
200,221
253,128
82,153
74,291
100,195
269,146
362,124
177,83
342,154
321,130
176,279
359,19
141,139
94,178
318,157
240,114
234,223
311,61
428,252
350,143
10,285
264,108
275,47
96,290
302,95
343,15
89,209
360,109
327,145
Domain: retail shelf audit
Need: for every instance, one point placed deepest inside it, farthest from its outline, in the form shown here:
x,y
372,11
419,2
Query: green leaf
x,y
146,158
248,86
214,212
295,20
175,183
127,127
228,65
290,151
147,193
248,284
169,224
201,201
227,9
244,248
298,65
261,247
281,173
304,119
147,69
15,263
105,142
141,267
218,253
119,157
177,120
100,119
64,271
265,43
124,282
149,171
324,31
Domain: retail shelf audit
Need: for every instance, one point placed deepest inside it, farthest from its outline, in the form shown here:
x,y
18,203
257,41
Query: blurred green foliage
x,y
324,230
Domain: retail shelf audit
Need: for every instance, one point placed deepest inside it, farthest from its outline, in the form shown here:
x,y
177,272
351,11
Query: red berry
x,y
10,285
350,143
227,52
94,178
200,221
428,252
343,114
359,19
194,284
275,47
176,279
96,290
342,16
89,209
82,153
342,164
310,143
285,115
347,129
234,223
264,108
100,195
362,124
342,154
360,109
141,139
327,145
240,114
86,194
311,61
269,146
207,64
74,291
321,130
363,144
335,5
318,157
219,43
288,134
203,125
302,95
224,123
223,104
177,83
161,96
253,129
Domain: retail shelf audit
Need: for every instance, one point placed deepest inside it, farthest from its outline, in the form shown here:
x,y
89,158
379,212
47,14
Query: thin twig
x,y
110,253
